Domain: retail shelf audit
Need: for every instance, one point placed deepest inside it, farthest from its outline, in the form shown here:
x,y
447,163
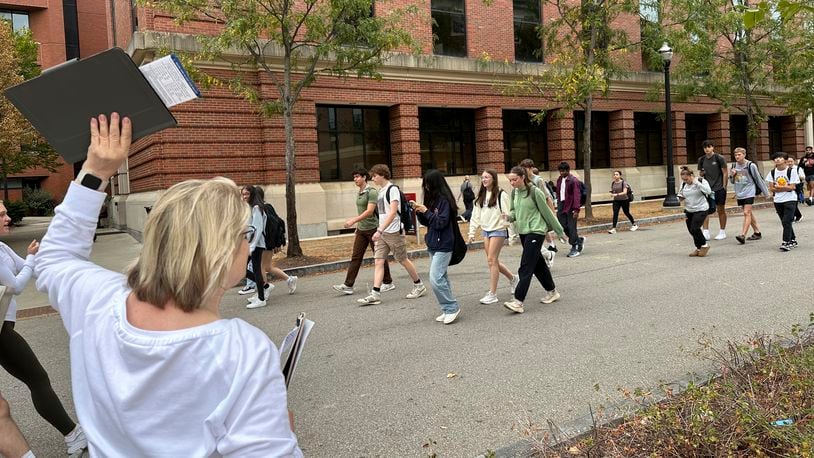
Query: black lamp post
x,y
671,200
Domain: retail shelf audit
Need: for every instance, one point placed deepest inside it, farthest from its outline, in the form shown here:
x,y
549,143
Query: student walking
x,y
694,192
389,238
807,163
366,223
251,287
468,196
491,205
746,179
620,191
438,214
712,167
799,188
17,357
267,258
257,245
568,206
782,182
532,219
159,371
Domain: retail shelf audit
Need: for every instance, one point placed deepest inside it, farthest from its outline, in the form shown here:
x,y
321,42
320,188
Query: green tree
x,y
794,50
586,53
304,39
21,147
719,57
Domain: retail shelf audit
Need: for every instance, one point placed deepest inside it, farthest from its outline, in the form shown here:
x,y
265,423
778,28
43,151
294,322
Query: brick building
x,y
443,110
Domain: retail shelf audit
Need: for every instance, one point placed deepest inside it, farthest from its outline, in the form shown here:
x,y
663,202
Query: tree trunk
x,y
586,137
294,249
5,180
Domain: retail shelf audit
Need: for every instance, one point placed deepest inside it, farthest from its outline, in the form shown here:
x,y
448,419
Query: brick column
x,y
679,139
622,139
404,141
489,138
718,129
561,143
763,152
793,136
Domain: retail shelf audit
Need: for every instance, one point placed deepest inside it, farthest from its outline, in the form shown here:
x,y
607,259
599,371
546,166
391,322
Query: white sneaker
x,y
440,318
247,290
612,230
721,235
513,283
418,291
550,296
76,441
489,298
256,303
292,284
373,298
634,228
266,290
514,305
706,233
450,317
343,289
387,287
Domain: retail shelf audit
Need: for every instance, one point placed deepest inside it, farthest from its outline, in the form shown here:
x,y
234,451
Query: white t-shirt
x,y
782,176
383,206
14,275
210,390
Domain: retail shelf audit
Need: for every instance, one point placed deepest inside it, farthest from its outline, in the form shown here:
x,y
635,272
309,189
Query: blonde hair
x,y
190,240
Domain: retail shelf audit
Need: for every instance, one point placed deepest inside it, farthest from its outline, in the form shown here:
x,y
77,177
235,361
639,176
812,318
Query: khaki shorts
x,y
388,243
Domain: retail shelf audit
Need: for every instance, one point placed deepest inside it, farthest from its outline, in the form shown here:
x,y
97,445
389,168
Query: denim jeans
x,y
439,281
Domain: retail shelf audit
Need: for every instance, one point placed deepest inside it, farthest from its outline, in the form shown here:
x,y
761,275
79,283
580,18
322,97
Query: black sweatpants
x,y
785,210
256,273
569,225
694,222
19,360
532,263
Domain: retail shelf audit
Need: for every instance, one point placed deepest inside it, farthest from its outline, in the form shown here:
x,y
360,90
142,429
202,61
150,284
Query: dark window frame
x,y
693,134
535,134
521,20
336,131
463,138
738,131
775,134
441,8
11,14
648,133
600,139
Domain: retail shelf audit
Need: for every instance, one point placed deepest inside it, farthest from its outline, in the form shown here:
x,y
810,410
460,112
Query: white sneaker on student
x,y
373,298
266,290
612,230
489,298
450,317
706,233
721,235
440,318
513,283
248,289
550,296
418,291
292,284
514,305
256,303
343,289
387,287
76,441
634,228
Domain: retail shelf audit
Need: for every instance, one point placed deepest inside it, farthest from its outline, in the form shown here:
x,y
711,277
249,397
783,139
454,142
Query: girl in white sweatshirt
x,y
490,206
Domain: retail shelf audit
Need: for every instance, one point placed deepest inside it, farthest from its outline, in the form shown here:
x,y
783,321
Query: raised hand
x,y
109,145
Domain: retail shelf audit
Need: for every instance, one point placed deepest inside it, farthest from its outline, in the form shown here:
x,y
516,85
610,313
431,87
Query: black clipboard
x,y
60,102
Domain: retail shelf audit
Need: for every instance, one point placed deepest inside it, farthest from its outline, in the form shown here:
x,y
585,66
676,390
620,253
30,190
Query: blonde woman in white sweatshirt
x,y
490,206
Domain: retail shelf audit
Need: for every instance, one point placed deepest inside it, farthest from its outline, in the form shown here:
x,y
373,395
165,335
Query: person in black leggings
x,y
16,356
619,191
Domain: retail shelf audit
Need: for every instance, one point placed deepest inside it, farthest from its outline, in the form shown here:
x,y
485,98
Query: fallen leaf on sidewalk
x,y
452,375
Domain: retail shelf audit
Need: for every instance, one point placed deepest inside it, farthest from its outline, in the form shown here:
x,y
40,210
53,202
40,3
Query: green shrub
x,y
16,210
39,202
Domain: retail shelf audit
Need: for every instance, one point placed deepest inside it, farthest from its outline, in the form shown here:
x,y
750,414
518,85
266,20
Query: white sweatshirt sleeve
x,y
15,278
259,226
505,204
62,266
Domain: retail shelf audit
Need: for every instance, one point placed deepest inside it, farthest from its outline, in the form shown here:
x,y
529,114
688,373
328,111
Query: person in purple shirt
x,y
568,205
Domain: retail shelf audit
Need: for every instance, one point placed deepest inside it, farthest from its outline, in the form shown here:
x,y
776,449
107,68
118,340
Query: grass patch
x,y
761,404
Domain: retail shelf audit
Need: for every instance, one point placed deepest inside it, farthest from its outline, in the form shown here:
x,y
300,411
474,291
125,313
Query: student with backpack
x,y
807,163
748,184
712,167
782,182
490,206
798,188
257,244
622,195
388,237
437,212
569,201
533,220
697,195
366,222
468,196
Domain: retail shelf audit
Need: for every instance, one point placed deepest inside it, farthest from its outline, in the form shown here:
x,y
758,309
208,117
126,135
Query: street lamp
x,y
671,200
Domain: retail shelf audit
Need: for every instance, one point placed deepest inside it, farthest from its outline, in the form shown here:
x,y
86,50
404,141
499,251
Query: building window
x,y
448,28
776,135
351,138
524,138
600,139
695,126
738,131
447,140
652,35
18,19
528,47
647,129
69,16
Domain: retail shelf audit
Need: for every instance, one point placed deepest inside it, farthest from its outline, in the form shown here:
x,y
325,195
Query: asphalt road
x,y
375,381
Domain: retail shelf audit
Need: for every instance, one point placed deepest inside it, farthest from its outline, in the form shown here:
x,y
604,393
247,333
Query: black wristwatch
x,y
91,181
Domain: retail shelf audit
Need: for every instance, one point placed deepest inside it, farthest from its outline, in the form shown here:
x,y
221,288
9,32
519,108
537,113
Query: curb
x,y
341,265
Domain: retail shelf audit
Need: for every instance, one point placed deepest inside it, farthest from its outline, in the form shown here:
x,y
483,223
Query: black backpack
x,y
629,190
274,232
406,212
468,194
